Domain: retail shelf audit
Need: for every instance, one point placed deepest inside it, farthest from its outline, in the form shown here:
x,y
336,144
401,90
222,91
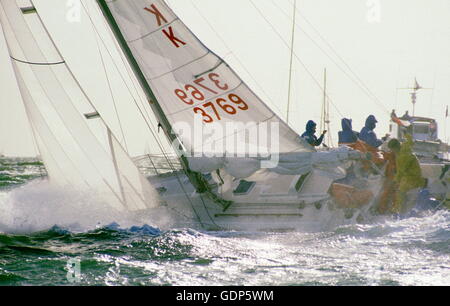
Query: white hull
x,y
438,177
270,201
306,211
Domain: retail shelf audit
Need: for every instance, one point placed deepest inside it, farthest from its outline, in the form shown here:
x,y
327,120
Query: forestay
x,y
78,149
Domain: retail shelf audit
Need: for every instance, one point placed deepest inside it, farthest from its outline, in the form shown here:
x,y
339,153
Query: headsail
x,y
194,88
76,145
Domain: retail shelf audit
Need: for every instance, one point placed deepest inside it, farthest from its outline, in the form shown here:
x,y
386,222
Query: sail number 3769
x,y
211,110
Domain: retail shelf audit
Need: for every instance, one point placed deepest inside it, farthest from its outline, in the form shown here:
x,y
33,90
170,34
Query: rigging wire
x,y
295,55
110,90
146,116
291,60
236,57
130,75
361,83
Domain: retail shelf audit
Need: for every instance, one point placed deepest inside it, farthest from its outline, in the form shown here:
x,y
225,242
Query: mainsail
x,y
205,108
197,96
78,148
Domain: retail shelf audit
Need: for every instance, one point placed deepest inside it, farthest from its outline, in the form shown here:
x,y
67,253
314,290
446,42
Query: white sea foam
x,y
39,205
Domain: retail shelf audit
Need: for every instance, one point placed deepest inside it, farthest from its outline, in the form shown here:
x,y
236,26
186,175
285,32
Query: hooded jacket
x,y
309,136
408,168
409,174
368,135
347,135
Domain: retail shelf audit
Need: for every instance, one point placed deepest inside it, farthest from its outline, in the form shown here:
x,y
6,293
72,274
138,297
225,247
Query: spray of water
x,y
39,206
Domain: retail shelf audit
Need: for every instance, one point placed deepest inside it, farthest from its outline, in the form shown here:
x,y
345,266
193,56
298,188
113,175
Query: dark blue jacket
x,y
368,135
347,135
309,134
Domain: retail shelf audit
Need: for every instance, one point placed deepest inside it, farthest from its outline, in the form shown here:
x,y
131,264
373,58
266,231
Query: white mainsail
x,y
78,148
194,87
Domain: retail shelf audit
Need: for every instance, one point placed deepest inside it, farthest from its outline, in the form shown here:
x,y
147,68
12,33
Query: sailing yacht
x,y
237,165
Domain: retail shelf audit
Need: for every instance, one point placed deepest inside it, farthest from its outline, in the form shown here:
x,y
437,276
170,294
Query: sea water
x,y
48,238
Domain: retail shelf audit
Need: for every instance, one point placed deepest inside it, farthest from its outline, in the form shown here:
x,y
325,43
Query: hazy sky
x,y
369,48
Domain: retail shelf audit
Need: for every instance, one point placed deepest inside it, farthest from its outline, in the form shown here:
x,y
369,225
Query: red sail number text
x,y
211,110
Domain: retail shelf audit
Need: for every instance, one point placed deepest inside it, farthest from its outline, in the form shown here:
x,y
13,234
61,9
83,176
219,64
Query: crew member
x,y
368,135
347,135
309,134
408,176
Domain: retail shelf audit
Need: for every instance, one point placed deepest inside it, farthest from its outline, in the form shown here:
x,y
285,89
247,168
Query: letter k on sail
x,y
160,19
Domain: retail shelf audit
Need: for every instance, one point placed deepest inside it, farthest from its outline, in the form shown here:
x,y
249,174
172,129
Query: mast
x,y
291,60
323,112
415,89
325,115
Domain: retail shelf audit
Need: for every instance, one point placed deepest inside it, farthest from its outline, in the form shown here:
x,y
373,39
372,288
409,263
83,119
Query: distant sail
x,y
78,149
194,86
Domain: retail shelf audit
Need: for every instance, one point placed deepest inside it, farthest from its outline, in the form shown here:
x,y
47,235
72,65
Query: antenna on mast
x,y
415,89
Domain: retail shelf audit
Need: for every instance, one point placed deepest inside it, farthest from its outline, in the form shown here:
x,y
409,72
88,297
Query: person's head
x,y
371,122
346,124
311,126
394,145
